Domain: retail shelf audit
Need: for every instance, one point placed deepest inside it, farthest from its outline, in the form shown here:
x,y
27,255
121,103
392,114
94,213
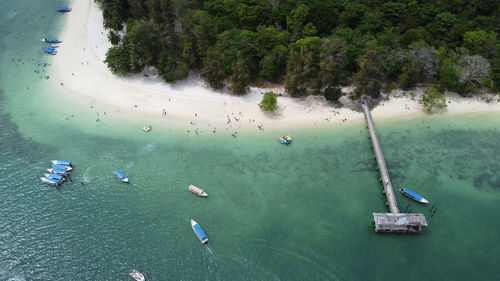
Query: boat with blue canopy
x,y
54,176
51,40
50,50
286,140
63,9
413,195
199,232
61,162
120,176
57,171
61,167
50,181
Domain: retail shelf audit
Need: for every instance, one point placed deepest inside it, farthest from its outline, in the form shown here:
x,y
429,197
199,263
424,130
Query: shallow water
x,y
274,212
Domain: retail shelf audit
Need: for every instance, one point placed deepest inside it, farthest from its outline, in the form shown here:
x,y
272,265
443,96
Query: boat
x,y
50,181
63,9
57,171
61,167
146,128
413,195
54,176
199,232
61,162
137,275
286,140
50,50
51,40
196,190
120,176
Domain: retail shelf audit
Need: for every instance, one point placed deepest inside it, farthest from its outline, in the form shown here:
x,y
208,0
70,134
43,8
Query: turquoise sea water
x,y
298,212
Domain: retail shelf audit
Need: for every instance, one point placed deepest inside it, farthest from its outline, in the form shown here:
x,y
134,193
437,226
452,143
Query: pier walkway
x,y
394,221
384,174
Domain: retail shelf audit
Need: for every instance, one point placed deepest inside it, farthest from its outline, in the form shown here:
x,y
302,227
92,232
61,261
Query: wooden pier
x,y
394,221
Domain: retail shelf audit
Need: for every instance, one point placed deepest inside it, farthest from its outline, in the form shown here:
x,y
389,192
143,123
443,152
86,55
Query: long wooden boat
x,y
196,190
413,195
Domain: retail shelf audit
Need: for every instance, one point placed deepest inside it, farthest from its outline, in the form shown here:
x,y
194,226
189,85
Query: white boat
x,y
197,191
137,275
199,232
146,128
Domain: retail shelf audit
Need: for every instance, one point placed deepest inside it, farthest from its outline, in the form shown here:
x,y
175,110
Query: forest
x,y
310,46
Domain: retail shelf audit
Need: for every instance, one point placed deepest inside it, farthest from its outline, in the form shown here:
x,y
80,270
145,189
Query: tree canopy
x,y
310,45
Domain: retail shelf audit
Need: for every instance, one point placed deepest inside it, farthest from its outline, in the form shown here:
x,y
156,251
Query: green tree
x,y
213,69
171,69
240,76
369,78
113,37
269,102
118,60
449,76
432,99
332,93
477,42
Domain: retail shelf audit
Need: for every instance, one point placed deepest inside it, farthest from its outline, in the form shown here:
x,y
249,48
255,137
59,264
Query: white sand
x,y
79,66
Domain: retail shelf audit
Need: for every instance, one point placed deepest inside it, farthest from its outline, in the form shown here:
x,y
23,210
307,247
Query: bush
x,y
449,77
269,102
332,93
433,99
389,87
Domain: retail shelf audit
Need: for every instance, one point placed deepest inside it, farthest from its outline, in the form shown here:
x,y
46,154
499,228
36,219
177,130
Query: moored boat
x,y
63,9
120,176
413,195
57,171
50,50
137,275
51,40
199,232
61,162
61,167
50,181
146,128
196,190
54,176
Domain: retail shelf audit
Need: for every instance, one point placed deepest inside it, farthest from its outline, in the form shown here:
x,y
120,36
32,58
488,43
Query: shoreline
x,y
79,68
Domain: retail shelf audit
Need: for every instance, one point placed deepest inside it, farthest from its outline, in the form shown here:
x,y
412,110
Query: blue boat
x,y
50,50
199,232
61,162
120,176
50,181
57,171
413,195
51,40
63,9
61,167
54,176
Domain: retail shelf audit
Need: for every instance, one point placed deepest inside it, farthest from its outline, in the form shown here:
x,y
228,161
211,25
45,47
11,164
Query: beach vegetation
x,y
269,102
433,100
310,45
118,60
333,93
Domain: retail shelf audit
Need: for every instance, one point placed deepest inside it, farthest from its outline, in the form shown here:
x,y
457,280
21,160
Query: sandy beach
x,y
79,67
